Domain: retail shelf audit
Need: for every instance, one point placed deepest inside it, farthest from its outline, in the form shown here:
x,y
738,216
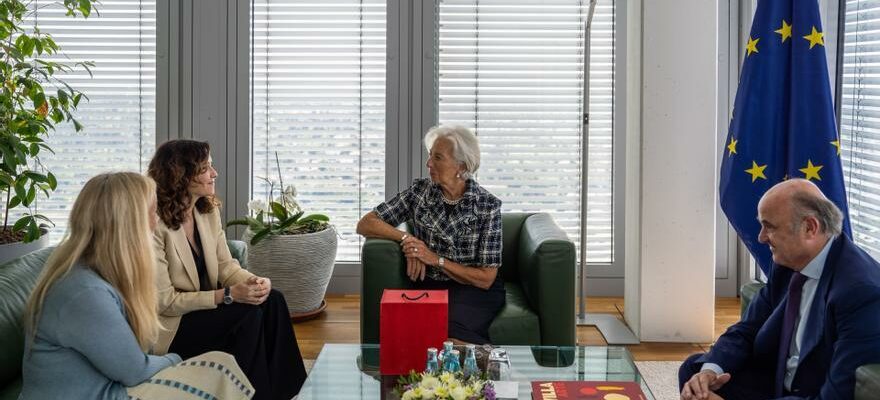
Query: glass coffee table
x,y
350,371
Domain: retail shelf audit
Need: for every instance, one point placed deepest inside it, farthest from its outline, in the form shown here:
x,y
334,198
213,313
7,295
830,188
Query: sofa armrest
x,y
546,259
238,249
867,382
383,267
747,293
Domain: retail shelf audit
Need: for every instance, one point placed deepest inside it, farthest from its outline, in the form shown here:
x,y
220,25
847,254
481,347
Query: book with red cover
x,y
586,390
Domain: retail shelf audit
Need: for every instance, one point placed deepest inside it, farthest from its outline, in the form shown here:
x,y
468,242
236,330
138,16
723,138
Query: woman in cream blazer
x,y
207,301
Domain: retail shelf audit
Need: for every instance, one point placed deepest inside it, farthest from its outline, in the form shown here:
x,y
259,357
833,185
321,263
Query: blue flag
x,y
783,119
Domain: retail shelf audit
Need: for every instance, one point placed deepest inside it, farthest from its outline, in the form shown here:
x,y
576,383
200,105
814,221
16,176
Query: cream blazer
x,y
177,279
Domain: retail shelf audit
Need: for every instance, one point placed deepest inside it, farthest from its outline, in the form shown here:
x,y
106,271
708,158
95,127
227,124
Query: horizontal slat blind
x,y
119,117
860,120
319,102
513,71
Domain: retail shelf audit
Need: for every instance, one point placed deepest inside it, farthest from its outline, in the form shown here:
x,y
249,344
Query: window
x,y
513,71
318,92
860,120
119,117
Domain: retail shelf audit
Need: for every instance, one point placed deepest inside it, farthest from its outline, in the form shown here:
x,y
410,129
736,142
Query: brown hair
x,y
174,167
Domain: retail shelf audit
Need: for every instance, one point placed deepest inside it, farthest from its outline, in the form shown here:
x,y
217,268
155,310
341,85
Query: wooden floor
x,y
340,323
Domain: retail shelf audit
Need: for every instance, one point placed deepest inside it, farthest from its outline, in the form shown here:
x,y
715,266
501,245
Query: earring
x,y
458,175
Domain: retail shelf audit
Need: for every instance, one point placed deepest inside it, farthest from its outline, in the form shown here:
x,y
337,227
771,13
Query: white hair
x,y
465,146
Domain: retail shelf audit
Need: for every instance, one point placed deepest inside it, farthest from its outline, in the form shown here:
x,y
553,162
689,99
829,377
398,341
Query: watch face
x,y
227,300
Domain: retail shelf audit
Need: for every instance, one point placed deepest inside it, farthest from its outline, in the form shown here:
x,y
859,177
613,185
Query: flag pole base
x,y
612,329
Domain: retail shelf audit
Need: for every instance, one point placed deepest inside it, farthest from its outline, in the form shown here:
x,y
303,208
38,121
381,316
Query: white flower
x,y
458,393
290,190
429,382
256,206
288,199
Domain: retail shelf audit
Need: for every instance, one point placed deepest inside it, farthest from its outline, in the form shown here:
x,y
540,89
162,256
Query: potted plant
x,y
33,100
296,251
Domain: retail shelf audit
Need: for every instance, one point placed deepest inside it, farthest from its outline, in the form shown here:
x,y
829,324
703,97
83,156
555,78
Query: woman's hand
x,y
253,291
416,250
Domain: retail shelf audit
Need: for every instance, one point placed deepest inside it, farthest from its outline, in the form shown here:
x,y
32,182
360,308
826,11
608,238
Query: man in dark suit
x,y
816,321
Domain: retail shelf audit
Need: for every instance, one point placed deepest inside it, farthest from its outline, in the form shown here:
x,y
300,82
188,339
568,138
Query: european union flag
x,y
783,119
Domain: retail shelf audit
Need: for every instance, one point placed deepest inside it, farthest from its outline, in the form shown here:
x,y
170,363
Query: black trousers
x,y
471,309
261,339
749,384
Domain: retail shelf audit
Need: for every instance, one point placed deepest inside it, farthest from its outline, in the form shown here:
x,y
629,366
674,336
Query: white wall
x,y
674,284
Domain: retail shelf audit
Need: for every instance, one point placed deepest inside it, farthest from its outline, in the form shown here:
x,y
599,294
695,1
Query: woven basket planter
x,y
299,266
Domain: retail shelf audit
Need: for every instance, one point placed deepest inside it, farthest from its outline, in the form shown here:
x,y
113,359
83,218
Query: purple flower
x,y
489,391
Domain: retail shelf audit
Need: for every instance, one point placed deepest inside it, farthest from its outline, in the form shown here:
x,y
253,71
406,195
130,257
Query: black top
x,y
199,257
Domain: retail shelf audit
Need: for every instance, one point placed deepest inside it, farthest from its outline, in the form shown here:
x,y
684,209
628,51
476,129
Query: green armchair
x,y
538,269
867,376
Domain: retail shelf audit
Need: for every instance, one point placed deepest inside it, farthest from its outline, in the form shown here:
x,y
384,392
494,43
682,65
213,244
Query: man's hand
x,y
703,384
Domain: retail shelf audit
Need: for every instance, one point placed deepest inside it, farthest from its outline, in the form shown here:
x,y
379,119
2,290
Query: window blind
x,y
860,120
513,71
119,116
318,92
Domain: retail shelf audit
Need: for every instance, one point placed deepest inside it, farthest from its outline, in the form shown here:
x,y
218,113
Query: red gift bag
x,y
410,321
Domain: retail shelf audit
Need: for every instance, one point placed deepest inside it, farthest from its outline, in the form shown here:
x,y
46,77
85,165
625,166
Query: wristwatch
x,y
440,262
227,296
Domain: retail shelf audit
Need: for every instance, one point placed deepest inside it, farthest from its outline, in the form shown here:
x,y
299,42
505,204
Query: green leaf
x,y
278,210
6,179
50,179
14,201
237,222
85,7
76,99
44,218
35,150
77,126
29,197
33,232
315,217
63,98
260,236
19,189
21,223
35,176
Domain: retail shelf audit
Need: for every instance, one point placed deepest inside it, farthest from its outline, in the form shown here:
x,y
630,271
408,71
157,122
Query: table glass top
x,y
350,371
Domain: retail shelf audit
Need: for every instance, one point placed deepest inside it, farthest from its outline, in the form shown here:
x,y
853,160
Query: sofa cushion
x,y
17,280
867,382
748,293
516,324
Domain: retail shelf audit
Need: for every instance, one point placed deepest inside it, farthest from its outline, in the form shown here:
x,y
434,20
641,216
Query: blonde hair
x,y
109,232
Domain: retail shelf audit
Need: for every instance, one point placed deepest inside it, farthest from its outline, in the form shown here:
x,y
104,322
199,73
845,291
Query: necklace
x,y
450,202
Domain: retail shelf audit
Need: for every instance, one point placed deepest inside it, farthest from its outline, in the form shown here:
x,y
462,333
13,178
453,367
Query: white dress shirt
x,y
813,271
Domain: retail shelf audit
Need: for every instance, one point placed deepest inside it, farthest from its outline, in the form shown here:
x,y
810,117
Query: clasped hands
x,y
418,257
702,386
254,291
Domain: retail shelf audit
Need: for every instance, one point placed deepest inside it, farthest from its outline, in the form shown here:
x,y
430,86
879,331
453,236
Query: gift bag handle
x,y
424,294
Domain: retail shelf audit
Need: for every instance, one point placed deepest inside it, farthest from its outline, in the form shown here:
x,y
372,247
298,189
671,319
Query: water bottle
x,y
432,366
498,367
452,363
470,362
447,347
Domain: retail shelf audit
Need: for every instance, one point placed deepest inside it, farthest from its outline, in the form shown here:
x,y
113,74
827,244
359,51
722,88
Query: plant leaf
x,y
316,217
14,201
50,179
21,223
260,236
278,210
33,232
237,222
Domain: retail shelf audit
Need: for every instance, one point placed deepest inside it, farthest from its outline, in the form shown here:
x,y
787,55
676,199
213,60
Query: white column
x,y
672,125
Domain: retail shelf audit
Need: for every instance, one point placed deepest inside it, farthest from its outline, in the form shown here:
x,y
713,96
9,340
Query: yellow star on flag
x,y
836,143
757,171
811,171
732,147
815,38
785,31
752,47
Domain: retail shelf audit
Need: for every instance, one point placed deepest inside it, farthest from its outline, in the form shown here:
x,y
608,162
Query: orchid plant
x,y
279,216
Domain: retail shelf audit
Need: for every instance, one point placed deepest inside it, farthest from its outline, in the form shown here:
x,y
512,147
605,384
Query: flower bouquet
x,y
444,386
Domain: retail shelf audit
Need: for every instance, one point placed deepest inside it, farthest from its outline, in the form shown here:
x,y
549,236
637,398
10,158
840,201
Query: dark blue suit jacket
x,y
842,332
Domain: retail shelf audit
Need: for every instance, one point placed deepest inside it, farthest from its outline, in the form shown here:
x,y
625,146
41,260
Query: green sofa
x,y
538,269
17,280
867,376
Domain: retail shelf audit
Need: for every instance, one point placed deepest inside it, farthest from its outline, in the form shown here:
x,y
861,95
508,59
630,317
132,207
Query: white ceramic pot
x,y
14,250
299,266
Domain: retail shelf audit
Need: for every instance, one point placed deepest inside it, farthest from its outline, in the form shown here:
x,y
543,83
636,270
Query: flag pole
x,y
613,329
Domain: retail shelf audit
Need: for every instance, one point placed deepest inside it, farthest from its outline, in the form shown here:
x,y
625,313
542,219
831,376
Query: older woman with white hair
x,y
456,239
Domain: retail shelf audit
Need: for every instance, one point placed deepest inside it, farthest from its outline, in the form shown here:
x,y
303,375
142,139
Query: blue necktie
x,y
789,321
